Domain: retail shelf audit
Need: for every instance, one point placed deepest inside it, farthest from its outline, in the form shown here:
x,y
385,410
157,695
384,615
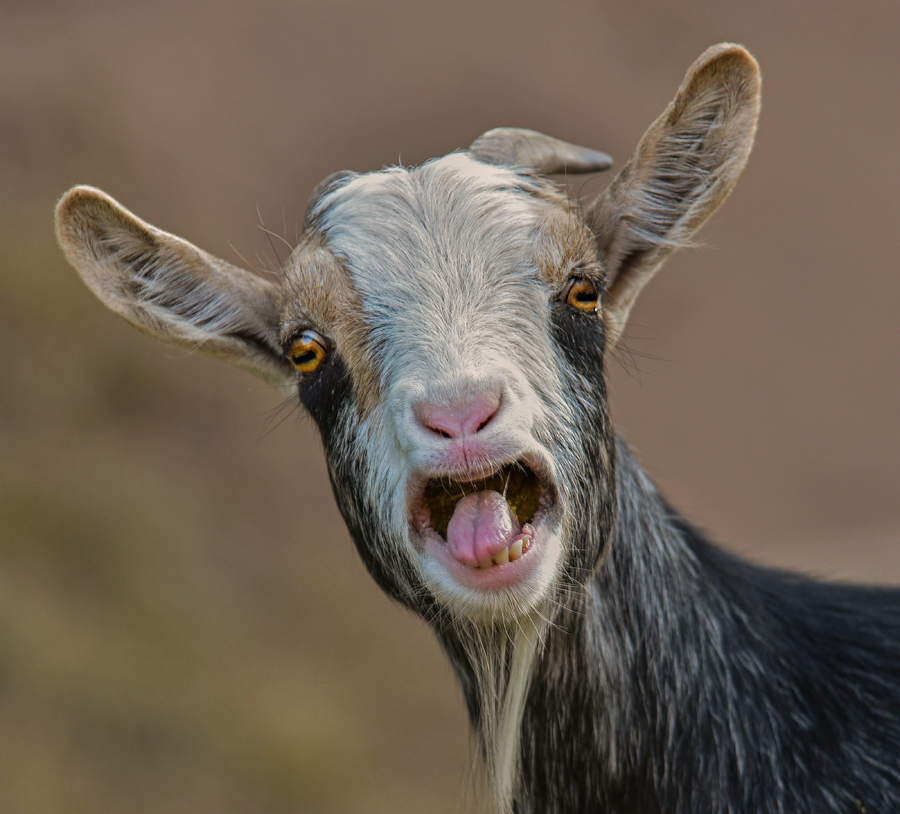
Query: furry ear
x,y
169,288
683,168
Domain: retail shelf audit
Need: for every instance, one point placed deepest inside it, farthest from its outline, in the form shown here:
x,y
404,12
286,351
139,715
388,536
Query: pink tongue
x,y
482,525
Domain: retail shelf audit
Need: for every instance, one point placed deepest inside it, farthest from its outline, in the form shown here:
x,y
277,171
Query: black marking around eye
x,y
325,394
582,339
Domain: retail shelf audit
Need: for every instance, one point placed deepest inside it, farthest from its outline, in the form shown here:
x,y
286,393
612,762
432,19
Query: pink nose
x,y
462,420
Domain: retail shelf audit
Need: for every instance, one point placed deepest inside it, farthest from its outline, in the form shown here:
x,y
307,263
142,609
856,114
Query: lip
x,y
497,578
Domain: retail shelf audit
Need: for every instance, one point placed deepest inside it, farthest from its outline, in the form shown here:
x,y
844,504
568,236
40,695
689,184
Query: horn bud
x,y
535,151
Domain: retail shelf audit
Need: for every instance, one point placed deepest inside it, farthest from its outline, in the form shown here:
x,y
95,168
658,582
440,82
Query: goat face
x,y
461,398
446,326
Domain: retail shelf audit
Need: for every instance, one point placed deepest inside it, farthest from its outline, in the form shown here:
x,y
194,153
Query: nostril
x,y
488,419
459,420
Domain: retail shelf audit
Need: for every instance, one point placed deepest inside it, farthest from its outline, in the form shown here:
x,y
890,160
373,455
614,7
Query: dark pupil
x,y
304,357
585,294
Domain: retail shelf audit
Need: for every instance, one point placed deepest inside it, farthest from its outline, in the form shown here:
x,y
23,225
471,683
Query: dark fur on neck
x,y
686,680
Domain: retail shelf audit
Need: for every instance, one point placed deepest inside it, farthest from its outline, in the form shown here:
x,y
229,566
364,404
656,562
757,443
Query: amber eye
x,y
307,353
582,294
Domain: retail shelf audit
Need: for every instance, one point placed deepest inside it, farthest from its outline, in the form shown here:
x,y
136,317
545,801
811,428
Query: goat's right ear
x,y
169,288
683,168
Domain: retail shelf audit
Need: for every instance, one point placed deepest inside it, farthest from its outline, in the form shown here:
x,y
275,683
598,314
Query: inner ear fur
x,y
682,170
169,288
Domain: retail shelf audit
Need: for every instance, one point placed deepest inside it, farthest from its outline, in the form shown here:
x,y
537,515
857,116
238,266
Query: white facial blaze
x,y
453,297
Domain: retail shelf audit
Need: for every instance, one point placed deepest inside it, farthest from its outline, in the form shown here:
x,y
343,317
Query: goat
x,y
447,328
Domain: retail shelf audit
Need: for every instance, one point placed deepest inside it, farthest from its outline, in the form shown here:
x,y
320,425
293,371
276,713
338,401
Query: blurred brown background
x,y
184,626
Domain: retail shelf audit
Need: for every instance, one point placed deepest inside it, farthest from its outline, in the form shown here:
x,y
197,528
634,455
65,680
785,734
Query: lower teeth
x,y
512,552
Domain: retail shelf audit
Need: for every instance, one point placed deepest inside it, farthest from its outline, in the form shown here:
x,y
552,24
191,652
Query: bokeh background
x,y
184,625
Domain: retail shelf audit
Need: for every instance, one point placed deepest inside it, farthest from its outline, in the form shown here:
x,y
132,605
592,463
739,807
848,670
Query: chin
x,y
502,594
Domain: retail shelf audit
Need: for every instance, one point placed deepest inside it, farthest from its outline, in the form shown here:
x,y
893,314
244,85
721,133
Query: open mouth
x,y
488,521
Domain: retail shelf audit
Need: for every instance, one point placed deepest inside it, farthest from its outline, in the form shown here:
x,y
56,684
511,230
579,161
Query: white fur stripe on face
x,y
447,284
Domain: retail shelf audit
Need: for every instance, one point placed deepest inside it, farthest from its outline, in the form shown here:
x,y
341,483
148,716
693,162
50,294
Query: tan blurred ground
x,y
184,626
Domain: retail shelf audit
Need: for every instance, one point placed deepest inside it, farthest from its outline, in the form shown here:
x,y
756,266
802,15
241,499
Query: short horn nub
x,y
535,151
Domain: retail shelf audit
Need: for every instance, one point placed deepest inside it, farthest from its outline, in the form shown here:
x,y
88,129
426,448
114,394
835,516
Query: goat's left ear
x,y
683,168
